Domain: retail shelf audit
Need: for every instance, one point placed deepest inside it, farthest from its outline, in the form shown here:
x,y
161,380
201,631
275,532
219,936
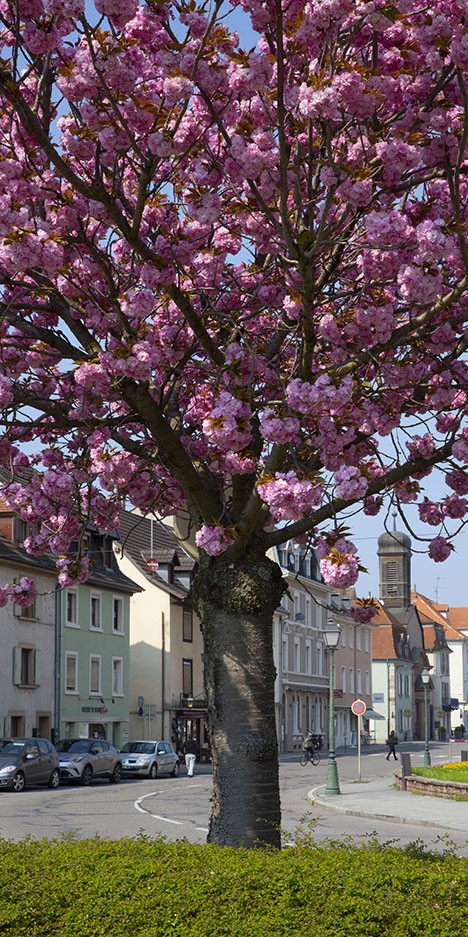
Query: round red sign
x,y
358,707
152,565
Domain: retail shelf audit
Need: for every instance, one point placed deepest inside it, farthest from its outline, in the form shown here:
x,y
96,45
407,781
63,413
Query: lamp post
x,y
331,637
425,677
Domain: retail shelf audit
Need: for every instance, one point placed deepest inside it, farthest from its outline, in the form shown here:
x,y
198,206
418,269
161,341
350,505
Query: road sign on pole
x,y
358,707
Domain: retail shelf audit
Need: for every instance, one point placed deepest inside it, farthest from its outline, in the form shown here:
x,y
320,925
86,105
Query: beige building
x,y
353,675
302,687
166,672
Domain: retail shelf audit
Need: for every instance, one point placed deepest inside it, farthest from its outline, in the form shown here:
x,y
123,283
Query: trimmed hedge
x,y
150,888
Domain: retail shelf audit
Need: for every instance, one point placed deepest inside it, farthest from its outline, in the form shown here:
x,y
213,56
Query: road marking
x,y
155,816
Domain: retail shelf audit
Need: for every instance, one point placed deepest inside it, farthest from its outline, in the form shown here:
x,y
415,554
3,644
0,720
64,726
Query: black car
x,y
25,762
84,759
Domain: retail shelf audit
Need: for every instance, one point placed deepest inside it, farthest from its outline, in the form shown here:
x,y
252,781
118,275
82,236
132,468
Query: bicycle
x,y
309,755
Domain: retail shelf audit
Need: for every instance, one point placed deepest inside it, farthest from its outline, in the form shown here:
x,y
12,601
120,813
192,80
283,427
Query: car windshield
x,y
11,747
74,745
140,748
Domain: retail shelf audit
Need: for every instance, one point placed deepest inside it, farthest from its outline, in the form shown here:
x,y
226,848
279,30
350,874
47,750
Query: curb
x,y
315,799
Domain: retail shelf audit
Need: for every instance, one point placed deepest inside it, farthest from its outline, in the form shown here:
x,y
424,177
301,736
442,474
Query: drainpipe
x,y
57,661
163,670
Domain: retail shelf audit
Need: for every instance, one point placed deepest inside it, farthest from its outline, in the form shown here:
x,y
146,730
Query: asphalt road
x,y
177,808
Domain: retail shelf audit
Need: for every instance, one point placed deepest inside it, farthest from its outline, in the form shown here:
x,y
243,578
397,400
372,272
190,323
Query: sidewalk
x,y
380,800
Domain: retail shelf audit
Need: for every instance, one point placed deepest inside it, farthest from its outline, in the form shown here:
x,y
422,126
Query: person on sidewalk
x,y
392,742
190,751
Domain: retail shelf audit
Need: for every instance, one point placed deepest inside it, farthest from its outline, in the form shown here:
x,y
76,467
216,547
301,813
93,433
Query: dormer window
x,y
108,553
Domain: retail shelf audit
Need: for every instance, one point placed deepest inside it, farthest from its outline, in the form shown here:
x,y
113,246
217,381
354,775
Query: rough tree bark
x,y
235,603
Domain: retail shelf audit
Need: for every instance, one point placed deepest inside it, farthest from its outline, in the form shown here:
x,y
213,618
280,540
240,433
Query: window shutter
x,y
17,666
37,667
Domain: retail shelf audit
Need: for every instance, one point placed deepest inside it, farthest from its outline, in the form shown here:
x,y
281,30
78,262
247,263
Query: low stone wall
x,y
431,787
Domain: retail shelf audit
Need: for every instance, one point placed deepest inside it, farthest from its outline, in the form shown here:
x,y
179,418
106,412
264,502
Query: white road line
x,y
155,816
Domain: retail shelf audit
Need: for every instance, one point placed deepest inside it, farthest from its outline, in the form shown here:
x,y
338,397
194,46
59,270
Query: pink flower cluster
x,y
439,549
214,540
290,497
24,592
339,569
350,483
362,614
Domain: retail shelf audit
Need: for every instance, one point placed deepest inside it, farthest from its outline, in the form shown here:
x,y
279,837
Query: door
x,y
34,768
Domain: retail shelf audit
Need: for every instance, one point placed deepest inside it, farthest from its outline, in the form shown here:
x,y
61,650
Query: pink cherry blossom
x,y
439,549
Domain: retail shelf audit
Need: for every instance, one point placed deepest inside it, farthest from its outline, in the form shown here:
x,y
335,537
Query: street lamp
x,y
331,637
425,677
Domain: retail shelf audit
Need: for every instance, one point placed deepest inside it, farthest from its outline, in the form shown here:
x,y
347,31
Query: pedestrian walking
x,y
392,742
190,750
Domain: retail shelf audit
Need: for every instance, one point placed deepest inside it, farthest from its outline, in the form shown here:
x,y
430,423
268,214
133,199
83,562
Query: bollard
x,y
464,755
405,759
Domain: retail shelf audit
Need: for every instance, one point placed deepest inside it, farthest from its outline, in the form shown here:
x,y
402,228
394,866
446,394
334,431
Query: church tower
x,y
394,552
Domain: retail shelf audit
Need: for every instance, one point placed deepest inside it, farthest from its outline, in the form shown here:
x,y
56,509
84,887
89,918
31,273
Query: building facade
x,y
302,682
93,673
166,646
27,638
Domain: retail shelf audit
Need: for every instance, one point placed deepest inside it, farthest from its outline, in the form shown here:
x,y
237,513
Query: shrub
x,y
149,888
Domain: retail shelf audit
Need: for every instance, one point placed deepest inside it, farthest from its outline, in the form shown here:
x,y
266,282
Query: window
x,y
367,682
366,640
343,679
296,711
187,625
351,635
319,660
308,611
95,611
297,604
26,666
71,672
117,615
94,675
343,636
407,692
71,609
400,684
358,639
297,655
108,553
359,681
308,657
187,677
17,726
351,679
117,676
285,654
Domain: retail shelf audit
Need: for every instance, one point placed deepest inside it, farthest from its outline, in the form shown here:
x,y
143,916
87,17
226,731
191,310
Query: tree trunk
x,y
235,602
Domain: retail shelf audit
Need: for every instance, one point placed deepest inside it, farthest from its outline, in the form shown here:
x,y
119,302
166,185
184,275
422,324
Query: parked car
x,y
148,759
84,759
25,762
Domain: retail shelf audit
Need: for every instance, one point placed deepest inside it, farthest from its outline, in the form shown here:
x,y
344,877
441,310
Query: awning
x,y
371,714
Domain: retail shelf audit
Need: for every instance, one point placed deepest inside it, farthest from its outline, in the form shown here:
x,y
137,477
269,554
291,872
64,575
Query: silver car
x,y
84,759
25,762
148,759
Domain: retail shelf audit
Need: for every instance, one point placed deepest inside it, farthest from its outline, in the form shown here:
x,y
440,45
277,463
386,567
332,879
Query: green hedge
x,y
144,888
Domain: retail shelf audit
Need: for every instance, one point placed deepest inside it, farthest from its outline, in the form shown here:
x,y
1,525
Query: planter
x,y
450,790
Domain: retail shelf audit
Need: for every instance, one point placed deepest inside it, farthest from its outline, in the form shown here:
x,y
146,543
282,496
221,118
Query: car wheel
x,y
175,770
153,771
18,783
54,779
87,775
116,775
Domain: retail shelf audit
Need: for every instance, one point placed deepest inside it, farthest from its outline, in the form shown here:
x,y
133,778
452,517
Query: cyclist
x,y
308,744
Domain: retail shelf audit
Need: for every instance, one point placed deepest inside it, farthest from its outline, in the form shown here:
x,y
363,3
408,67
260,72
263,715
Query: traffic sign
x,y
358,707
152,565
